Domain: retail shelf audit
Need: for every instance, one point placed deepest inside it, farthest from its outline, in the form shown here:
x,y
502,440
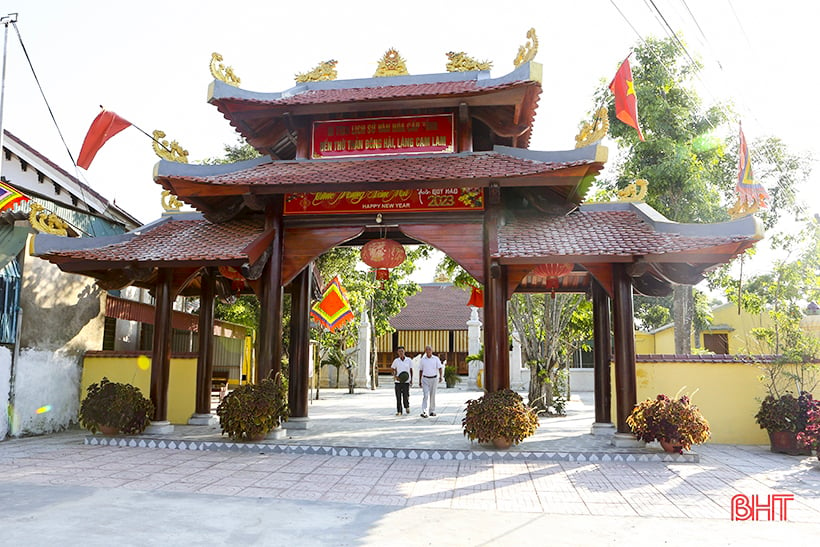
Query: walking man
x,y
430,374
402,376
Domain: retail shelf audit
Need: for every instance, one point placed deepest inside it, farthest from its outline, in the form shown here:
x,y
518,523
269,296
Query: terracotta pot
x,y
785,442
672,446
109,430
502,443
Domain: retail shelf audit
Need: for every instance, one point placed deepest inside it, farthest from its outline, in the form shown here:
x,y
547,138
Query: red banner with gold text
x,y
384,201
381,136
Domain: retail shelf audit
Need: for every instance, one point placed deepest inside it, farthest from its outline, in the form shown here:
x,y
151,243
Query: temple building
x,y
441,159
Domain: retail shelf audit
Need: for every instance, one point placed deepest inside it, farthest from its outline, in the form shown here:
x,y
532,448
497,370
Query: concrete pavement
x,y
58,490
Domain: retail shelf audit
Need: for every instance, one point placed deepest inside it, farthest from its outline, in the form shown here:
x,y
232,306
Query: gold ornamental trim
x,y
591,133
461,62
46,222
221,72
527,52
634,192
170,203
743,207
391,64
322,71
170,151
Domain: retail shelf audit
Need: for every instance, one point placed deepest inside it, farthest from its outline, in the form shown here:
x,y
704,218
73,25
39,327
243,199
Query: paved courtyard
x,y
59,490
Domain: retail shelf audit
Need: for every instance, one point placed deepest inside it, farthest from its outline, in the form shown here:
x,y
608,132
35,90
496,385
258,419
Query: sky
x,y
148,61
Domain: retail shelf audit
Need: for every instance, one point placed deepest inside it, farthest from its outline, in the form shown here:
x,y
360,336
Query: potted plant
x,y
501,418
784,418
112,407
250,412
451,377
809,438
676,424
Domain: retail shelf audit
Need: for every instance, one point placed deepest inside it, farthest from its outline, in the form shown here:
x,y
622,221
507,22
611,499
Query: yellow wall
x,y
728,394
137,371
644,343
741,340
665,341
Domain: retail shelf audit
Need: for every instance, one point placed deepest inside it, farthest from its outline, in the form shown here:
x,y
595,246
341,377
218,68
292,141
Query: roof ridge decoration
x,y
743,208
45,221
527,52
223,73
391,64
170,203
168,151
323,71
634,192
461,62
593,132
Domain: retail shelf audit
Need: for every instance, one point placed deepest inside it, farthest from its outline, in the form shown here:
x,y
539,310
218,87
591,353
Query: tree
x,y
690,155
550,329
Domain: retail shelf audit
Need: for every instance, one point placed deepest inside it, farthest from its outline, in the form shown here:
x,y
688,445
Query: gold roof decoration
x,y
322,71
221,72
170,203
527,52
591,133
461,62
634,192
46,222
169,151
391,64
743,207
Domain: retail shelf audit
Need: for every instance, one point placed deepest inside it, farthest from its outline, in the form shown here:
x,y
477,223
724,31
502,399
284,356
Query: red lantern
x,y
552,272
382,254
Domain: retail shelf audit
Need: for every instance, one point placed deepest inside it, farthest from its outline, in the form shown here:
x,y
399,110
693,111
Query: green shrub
x,y
249,412
121,406
499,415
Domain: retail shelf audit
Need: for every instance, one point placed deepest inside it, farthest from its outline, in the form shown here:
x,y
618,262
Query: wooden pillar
x,y
299,344
270,328
205,354
161,351
602,353
465,129
496,339
622,314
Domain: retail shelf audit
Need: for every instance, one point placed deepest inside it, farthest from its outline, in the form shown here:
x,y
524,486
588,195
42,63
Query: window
x,y
716,343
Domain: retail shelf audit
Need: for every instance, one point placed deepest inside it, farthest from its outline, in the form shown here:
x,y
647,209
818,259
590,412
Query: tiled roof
x,y
596,233
437,307
479,165
189,240
386,92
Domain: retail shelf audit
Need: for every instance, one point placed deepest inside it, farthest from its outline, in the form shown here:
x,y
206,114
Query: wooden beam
x,y
462,242
303,245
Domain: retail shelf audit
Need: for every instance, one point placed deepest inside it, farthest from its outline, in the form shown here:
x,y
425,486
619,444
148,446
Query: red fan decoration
x,y
552,272
237,279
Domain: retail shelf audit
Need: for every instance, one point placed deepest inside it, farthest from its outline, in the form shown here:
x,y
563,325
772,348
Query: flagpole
x,y
10,18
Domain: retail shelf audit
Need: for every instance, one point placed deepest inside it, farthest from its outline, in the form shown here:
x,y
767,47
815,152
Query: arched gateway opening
x,y
441,159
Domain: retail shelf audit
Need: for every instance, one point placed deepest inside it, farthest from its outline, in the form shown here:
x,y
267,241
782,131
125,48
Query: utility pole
x,y
10,18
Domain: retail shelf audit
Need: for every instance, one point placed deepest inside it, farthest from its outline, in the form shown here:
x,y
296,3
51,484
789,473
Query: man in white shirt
x,y
402,376
430,374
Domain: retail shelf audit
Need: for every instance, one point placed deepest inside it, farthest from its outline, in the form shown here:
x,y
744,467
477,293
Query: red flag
x,y
626,102
476,298
105,125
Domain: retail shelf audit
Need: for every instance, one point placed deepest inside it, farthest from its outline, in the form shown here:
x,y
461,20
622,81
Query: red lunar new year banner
x,y
380,136
383,201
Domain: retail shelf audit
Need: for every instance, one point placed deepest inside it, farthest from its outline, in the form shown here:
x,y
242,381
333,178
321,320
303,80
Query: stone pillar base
x,y
603,429
276,434
203,419
626,440
296,423
161,427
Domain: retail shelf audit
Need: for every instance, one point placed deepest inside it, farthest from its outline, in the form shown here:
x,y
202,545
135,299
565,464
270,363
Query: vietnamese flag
x,y
105,125
626,102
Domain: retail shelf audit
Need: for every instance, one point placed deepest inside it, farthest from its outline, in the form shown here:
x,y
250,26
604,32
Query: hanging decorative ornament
x,y
237,279
553,273
383,254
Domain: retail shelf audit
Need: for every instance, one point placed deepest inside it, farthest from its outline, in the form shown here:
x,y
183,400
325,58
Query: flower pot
x,y
671,446
785,442
501,443
109,430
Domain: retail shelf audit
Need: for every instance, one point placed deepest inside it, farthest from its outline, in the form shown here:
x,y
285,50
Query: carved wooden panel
x,y
303,245
461,242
